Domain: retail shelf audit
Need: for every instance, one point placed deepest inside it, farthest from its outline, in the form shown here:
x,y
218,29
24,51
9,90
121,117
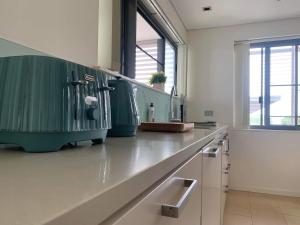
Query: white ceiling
x,y
233,12
144,31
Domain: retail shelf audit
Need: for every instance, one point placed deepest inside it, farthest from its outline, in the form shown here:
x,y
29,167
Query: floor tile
x,y
232,219
264,209
238,193
264,199
292,220
266,215
291,210
240,200
278,220
238,210
261,209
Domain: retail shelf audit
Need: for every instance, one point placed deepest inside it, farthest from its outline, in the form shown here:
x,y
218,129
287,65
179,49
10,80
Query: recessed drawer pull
x,y
221,142
211,151
174,210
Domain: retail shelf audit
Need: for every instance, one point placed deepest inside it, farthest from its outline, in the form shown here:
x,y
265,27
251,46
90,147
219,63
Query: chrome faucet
x,y
172,115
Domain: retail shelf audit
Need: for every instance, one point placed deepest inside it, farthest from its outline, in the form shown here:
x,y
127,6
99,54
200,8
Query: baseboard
x,y
266,191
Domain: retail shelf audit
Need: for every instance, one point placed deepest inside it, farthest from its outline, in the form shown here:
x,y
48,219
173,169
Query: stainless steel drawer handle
x,y
211,151
174,210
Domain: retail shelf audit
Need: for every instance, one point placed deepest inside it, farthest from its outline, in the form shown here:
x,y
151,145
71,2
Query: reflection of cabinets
x,y
182,188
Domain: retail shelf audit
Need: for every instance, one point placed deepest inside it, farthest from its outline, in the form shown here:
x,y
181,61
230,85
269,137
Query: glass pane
x,y
282,120
144,67
298,105
298,122
149,49
282,105
282,61
298,64
256,74
170,62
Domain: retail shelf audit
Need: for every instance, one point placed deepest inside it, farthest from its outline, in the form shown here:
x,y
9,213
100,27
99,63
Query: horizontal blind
x,y
145,65
169,67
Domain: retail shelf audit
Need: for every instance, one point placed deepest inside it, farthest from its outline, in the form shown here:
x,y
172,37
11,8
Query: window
x,y
149,51
274,86
146,46
154,52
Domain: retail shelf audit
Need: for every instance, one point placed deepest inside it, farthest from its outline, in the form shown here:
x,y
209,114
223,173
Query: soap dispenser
x,y
151,113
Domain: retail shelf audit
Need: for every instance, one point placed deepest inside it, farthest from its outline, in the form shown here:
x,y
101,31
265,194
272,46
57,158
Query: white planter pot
x,y
159,86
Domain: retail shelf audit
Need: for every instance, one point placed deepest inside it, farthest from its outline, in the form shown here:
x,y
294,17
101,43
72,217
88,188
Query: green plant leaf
x,y
157,78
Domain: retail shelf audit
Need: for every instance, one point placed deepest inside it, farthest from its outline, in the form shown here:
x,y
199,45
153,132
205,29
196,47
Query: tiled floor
x,y
247,208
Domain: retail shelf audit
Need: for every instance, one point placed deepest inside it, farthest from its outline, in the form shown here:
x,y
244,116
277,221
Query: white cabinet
x,y
224,144
182,189
194,194
211,184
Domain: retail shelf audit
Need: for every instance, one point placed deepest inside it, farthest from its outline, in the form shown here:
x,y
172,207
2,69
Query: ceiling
x,y
234,12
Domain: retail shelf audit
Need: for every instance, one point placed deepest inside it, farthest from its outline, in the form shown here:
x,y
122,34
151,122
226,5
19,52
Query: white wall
x,y
66,29
211,60
171,13
105,33
266,161
211,87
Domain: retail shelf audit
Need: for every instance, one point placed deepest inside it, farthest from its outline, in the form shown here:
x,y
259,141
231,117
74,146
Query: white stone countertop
x,y
86,184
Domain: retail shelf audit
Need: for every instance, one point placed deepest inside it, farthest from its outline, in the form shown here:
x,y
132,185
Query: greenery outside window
x,y
274,85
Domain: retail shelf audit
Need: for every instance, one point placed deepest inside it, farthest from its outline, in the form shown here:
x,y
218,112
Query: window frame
x,y
266,85
128,60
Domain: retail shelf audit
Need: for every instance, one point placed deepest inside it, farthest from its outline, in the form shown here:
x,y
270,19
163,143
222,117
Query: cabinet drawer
x,y
211,193
182,185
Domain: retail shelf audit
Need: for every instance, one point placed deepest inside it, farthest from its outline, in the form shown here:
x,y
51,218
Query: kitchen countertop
x,y
86,184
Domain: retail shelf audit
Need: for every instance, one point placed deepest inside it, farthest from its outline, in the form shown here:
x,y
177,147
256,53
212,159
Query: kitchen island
x,y
87,184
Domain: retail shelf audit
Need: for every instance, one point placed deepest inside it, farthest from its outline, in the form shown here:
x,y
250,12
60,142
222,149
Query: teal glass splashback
x,y
160,100
8,48
144,95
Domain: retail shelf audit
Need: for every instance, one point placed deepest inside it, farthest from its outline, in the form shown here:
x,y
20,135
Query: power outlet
x,y
209,113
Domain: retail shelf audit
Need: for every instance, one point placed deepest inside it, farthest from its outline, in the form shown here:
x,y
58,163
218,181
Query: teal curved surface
x,y
38,95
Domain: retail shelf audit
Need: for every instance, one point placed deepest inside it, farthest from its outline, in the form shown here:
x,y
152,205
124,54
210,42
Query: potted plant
x,y
158,80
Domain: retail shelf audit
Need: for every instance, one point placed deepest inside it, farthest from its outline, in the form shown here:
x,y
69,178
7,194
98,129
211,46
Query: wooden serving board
x,y
166,127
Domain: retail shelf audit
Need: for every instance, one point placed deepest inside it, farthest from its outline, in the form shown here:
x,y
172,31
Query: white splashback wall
x,y
211,87
64,28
